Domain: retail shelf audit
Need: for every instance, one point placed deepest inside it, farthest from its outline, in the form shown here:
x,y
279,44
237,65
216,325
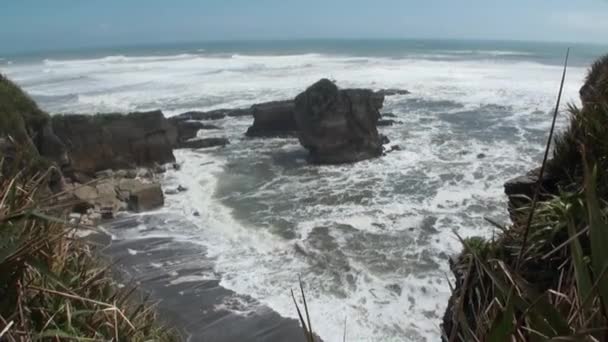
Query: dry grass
x,y
52,286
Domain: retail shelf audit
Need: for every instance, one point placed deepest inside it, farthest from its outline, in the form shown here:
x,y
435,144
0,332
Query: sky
x,y
30,25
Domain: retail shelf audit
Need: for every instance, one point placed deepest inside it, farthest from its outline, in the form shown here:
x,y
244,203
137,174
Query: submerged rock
x,y
204,143
273,119
197,115
116,141
387,122
338,126
393,92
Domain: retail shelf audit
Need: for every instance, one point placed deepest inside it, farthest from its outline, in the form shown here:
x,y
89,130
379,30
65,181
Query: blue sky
x,y
44,24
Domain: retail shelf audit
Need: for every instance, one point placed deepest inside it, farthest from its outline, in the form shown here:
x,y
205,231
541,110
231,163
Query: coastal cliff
x,y
53,285
535,280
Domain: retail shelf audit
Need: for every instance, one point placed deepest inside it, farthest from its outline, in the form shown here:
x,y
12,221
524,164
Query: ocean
x,y
371,240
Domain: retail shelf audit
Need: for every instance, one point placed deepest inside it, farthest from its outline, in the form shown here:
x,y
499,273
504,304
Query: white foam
x,y
256,262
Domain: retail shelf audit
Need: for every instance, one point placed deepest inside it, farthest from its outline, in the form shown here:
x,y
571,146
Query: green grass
x,y
559,290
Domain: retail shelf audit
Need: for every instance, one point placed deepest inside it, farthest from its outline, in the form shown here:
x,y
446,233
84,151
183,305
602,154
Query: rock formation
x,y
273,119
115,141
204,143
338,126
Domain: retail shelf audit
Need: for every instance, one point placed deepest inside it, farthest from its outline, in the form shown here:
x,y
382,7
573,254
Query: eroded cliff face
x,y
116,141
338,126
564,172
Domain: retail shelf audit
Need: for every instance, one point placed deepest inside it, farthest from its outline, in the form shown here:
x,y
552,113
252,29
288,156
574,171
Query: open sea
x,y
370,240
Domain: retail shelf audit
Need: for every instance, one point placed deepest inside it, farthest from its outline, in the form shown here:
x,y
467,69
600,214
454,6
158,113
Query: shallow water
x,y
370,240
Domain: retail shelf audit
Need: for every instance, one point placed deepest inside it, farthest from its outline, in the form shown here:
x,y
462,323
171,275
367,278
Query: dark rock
x,y
388,115
196,213
384,139
237,112
338,126
176,166
115,141
204,143
80,178
146,197
520,190
186,129
392,149
481,156
182,188
387,122
392,92
196,115
209,126
273,119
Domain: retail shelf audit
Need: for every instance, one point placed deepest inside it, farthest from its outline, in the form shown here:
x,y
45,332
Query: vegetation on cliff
x,y
52,286
555,285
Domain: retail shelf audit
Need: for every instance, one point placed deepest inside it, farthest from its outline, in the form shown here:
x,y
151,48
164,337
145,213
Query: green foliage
x,y
559,291
19,114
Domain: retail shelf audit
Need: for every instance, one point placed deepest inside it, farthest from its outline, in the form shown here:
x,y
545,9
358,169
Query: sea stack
x,y
338,126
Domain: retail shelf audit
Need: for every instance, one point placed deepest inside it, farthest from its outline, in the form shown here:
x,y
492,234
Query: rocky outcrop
x,y
387,122
186,129
204,143
197,115
392,92
273,119
116,141
338,126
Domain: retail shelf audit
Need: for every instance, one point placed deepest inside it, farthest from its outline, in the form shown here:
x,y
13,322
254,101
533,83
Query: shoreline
x,y
178,276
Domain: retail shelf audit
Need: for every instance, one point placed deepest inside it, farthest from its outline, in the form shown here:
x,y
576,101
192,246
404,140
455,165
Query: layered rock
x,y
115,141
338,126
273,119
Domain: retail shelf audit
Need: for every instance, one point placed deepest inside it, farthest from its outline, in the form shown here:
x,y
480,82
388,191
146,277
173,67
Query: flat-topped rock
x,y
273,119
116,141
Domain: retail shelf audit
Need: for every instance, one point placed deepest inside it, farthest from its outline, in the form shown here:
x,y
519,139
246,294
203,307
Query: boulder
x,y
116,141
146,197
338,126
204,143
273,119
